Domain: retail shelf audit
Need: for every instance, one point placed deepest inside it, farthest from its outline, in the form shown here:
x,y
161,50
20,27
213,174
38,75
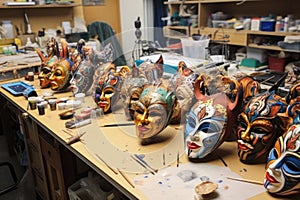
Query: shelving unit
x,y
40,16
179,31
236,9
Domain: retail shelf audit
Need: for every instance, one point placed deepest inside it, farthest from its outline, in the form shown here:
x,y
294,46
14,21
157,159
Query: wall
x,y
109,13
130,10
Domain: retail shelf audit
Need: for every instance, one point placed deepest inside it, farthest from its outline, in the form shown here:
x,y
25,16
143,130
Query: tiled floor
x,y
24,190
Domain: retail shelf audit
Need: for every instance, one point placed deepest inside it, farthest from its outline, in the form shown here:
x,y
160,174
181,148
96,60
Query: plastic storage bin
x,y
222,24
92,188
277,64
267,25
194,49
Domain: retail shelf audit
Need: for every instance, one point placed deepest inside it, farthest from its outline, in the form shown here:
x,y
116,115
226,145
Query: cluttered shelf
x,y
272,47
181,2
54,5
223,1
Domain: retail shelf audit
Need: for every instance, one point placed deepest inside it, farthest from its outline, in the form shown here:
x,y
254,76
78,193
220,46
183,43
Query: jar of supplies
x,y
9,28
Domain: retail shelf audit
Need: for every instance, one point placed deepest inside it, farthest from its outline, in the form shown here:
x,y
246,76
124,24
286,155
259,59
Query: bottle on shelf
x,y
278,23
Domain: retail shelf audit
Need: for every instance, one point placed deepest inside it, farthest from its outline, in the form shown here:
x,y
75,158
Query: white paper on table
x,y
166,184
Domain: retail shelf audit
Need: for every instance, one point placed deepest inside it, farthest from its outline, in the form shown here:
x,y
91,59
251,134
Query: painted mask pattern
x,y
283,165
153,110
260,124
205,128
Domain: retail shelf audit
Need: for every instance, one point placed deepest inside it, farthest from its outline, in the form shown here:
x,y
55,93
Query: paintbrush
x,y
142,164
140,159
117,124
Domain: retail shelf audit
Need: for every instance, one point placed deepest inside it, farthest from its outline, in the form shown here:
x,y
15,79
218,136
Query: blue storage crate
x,y
267,25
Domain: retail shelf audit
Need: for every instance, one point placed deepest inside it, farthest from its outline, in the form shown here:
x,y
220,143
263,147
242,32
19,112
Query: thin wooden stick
x,y
245,180
112,169
126,178
69,132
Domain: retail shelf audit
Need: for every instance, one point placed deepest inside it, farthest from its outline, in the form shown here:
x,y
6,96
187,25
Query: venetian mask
x,y
183,84
52,48
46,71
108,88
208,86
205,126
82,78
48,61
250,87
283,165
61,75
131,91
151,71
153,110
293,73
211,119
75,57
261,122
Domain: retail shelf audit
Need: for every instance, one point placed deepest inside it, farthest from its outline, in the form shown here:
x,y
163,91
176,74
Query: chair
x,y
105,34
13,176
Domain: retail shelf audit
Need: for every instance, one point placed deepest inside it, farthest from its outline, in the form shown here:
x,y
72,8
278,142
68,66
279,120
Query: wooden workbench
x,y
53,127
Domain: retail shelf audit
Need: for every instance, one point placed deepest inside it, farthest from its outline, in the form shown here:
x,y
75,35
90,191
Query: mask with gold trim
x,y
108,87
283,165
46,71
153,110
130,94
261,122
61,75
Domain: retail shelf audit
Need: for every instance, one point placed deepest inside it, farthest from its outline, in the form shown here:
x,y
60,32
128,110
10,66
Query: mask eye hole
x,y
208,128
242,122
259,130
180,97
109,93
139,111
154,114
291,167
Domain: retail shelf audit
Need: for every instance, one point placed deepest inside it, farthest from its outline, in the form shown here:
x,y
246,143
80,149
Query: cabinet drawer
x,y
50,152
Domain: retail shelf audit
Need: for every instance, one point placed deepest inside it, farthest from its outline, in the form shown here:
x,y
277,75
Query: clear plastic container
x,y
6,24
194,49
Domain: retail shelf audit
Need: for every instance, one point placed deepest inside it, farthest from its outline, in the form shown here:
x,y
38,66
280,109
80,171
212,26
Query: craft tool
x,y
120,124
223,161
143,161
178,159
126,178
142,164
245,180
112,169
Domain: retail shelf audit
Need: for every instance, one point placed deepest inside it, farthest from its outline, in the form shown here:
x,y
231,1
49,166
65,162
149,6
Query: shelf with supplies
x,y
56,5
177,32
272,47
233,10
54,14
